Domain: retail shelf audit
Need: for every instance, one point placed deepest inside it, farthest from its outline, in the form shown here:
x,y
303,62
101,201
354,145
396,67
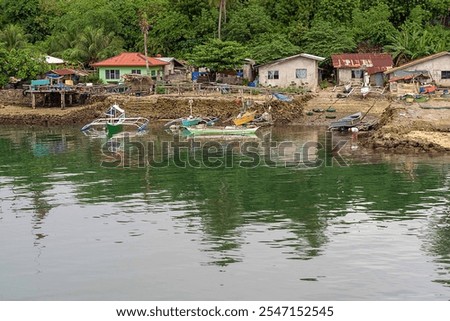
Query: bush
x,y
323,84
160,90
292,90
94,78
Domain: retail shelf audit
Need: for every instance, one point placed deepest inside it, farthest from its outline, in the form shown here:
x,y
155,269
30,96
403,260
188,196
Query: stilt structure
x,y
44,88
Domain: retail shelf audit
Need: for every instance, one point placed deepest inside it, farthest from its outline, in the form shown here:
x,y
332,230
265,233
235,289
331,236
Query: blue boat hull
x,y
190,122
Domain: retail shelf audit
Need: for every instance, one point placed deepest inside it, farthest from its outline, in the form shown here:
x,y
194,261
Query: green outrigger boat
x,y
115,123
227,130
113,129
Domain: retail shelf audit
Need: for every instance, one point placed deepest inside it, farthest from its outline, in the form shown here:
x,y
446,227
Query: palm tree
x,y
222,4
145,27
93,45
61,44
399,46
414,43
13,37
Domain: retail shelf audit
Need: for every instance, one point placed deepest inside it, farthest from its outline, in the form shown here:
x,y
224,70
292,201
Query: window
x,y
136,71
445,74
153,73
112,74
273,74
357,74
300,73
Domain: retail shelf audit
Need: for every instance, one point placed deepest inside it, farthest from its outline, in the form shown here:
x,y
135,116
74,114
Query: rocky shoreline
x,y
155,107
411,129
402,127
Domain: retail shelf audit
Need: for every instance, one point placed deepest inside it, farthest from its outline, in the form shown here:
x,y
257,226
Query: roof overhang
x,y
303,55
417,61
53,60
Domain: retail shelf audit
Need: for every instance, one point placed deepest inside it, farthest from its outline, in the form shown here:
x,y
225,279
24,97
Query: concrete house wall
x,y
248,69
169,69
433,66
154,71
173,66
288,75
345,77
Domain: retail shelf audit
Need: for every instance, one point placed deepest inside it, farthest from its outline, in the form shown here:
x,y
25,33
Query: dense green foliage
x,y
22,64
218,55
85,31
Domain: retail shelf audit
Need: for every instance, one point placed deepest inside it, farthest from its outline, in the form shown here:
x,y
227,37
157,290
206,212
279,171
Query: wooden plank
x,y
63,99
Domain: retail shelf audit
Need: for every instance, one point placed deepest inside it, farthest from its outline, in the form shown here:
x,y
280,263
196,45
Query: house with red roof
x,y
112,69
351,67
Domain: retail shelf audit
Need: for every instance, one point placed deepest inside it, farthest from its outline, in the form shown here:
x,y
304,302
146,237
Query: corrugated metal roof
x,y
313,57
373,63
172,59
405,77
53,60
67,71
304,55
166,59
63,72
129,59
418,61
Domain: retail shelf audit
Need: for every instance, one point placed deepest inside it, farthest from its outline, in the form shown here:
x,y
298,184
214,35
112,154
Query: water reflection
x,y
229,213
264,149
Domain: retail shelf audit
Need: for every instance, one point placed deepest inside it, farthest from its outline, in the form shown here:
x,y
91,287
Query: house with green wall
x,y
112,69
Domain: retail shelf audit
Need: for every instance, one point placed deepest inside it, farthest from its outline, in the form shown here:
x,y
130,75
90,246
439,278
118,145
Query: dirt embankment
x,y
416,127
224,107
153,107
409,128
325,107
402,127
13,115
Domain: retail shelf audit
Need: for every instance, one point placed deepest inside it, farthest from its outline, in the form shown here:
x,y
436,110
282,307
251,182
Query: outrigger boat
x,y
346,122
190,120
227,130
116,122
244,118
177,124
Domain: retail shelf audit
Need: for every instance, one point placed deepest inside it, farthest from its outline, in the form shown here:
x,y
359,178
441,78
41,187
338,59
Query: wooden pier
x,y
49,92
45,89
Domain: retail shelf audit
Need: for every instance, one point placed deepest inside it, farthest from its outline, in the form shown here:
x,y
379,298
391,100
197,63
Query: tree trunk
x,y
144,28
145,52
220,20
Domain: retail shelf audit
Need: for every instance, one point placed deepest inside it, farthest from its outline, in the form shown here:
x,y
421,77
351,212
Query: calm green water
x,y
71,229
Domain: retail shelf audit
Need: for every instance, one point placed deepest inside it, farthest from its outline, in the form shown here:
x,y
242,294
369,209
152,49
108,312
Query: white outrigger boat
x,y
115,122
227,130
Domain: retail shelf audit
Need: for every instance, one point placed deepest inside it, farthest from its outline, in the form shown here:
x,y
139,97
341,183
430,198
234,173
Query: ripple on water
x,y
366,231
